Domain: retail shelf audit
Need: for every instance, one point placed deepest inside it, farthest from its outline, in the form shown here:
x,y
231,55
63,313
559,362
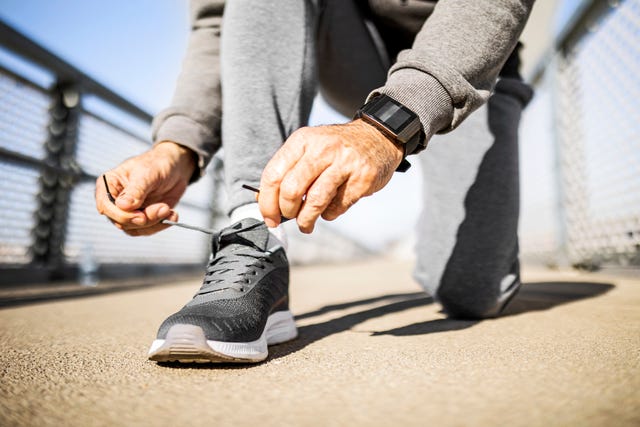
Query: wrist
x,y
184,158
391,148
397,122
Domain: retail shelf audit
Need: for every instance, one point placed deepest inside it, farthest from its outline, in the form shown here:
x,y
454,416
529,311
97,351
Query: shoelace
x,y
189,226
184,224
225,278
227,270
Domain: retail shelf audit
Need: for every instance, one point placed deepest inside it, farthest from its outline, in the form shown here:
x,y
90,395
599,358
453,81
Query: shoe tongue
x,y
248,229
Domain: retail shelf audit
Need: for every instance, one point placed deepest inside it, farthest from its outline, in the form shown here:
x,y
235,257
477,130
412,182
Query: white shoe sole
x,y
188,344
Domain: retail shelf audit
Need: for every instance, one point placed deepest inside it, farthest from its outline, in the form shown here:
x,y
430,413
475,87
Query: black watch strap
x,y
403,166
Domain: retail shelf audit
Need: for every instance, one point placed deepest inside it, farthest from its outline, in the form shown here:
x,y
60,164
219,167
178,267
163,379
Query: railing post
x,y
562,249
57,179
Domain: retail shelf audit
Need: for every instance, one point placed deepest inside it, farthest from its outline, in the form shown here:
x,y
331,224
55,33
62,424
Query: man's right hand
x,y
146,188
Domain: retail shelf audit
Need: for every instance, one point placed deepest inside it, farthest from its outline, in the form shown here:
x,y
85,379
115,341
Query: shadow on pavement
x,y
334,307
532,297
206,366
537,296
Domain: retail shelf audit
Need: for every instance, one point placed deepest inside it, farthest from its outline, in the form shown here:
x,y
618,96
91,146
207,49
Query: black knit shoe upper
x,y
244,283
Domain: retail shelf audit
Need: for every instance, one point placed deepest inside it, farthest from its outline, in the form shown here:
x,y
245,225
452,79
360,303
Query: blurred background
x,y
80,82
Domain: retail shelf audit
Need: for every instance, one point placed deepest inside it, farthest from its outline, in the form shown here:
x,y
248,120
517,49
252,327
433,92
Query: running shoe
x,y
242,306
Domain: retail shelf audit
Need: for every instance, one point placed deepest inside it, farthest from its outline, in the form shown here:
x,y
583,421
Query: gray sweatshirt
x,y
455,58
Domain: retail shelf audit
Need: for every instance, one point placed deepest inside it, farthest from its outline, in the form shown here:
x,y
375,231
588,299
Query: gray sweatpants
x,y
275,58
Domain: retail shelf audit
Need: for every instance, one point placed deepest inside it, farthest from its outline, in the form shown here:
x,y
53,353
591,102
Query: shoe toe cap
x,y
227,329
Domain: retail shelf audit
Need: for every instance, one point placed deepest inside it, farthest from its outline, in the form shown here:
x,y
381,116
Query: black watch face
x,y
394,115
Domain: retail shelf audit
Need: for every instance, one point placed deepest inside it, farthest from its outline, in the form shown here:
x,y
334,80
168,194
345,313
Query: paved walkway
x,y
371,352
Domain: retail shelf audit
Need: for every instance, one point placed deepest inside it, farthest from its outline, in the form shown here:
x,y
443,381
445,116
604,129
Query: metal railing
x,y
580,149
581,143
55,140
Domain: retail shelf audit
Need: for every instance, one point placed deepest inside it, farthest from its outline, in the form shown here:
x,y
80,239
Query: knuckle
x,y
269,178
299,134
329,147
316,199
295,136
369,174
290,190
350,155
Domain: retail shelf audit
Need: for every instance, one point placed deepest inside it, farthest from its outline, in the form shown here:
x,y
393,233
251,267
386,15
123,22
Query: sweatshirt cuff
x,y
187,133
422,94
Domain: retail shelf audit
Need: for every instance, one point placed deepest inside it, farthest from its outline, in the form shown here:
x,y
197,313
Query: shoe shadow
x,y
537,296
532,297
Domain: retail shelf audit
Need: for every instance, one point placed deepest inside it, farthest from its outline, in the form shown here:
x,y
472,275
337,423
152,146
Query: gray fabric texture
x,y
275,52
467,236
244,284
194,117
463,46
268,77
443,77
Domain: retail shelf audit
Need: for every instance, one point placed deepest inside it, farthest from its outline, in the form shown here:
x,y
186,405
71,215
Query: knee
x,y
477,297
467,308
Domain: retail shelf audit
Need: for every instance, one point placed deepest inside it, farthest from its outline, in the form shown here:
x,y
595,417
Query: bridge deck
x,y
371,351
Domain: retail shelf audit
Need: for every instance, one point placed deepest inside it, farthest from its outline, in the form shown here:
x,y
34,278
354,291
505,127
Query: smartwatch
x,y
396,122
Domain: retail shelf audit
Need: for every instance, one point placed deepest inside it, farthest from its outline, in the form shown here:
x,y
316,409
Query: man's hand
x,y
146,188
324,170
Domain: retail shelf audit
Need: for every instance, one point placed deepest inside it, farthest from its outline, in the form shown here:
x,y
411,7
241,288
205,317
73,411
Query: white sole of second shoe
x,y
188,344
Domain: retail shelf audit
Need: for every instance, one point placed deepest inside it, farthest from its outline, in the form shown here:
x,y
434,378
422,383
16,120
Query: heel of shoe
x,y
281,327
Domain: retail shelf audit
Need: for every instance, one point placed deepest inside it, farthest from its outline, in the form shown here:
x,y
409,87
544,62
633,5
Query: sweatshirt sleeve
x,y
455,59
193,119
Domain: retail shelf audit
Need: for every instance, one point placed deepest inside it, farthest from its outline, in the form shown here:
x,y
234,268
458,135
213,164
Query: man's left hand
x,y
324,170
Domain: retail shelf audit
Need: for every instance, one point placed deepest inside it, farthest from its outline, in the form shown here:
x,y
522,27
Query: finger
x,y
147,231
340,203
156,212
125,219
153,214
102,192
297,182
134,191
319,196
361,184
107,208
283,161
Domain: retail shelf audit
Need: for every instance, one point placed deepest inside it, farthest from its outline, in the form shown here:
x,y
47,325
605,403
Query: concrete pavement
x,y
372,351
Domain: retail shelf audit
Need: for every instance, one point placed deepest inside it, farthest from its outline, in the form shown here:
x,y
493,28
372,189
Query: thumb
x,y
133,195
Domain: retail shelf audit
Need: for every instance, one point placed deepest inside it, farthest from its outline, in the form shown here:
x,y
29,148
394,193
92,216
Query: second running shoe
x,y
242,306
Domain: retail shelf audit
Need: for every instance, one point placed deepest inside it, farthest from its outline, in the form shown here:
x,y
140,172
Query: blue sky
x,y
133,47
